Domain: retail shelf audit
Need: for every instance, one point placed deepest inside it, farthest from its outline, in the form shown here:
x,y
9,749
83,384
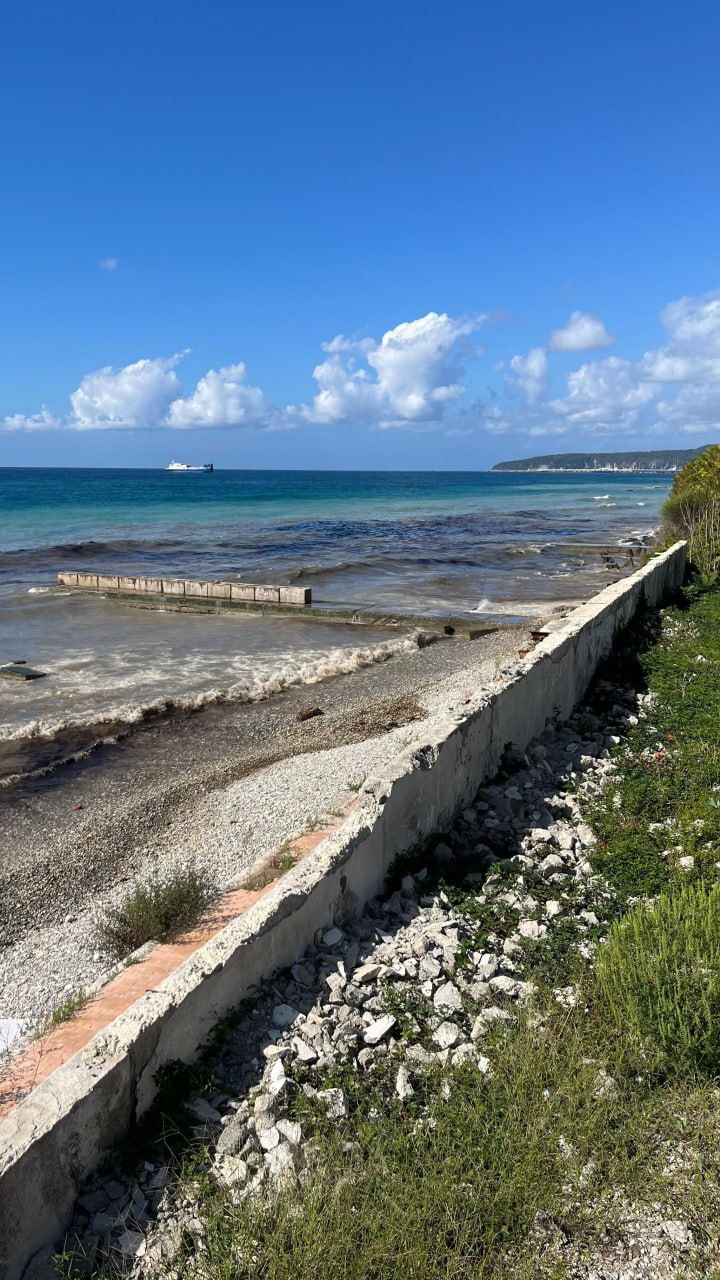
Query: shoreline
x,y
583,471
54,736
220,789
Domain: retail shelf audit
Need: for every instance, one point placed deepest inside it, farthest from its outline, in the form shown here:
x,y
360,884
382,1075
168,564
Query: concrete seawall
x,y
57,1135
236,592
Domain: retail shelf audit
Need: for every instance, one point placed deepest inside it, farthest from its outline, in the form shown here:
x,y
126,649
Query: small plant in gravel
x,y
412,1010
556,960
282,860
658,979
156,912
64,1011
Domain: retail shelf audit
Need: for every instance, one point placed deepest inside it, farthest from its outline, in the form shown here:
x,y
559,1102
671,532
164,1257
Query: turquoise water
x,y
496,544
44,508
431,540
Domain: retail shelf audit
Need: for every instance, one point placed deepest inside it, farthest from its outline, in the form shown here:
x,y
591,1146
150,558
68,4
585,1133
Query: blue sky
x,y
445,186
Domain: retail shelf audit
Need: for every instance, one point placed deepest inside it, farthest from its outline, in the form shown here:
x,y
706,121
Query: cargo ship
x,y
189,466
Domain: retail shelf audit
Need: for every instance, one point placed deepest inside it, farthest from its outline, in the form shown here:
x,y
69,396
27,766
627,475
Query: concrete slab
x,y
20,671
295,595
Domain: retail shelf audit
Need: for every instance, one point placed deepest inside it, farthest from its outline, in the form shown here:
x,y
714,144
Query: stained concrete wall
x,y
127,585
55,1137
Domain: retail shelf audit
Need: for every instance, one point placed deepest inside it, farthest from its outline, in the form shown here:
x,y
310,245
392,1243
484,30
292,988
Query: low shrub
x,y
693,511
658,981
156,912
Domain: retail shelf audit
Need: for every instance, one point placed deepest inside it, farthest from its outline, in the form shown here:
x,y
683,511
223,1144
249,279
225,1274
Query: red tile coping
x,y
50,1051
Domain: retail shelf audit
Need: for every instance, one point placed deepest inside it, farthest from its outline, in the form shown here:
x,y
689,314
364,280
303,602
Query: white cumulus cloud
x,y
221,399
149,393
694,321
138,395
407,377
412,377
695,408
582,332
667,365
530,372
45,420
109,264
607,392
692,353
673,387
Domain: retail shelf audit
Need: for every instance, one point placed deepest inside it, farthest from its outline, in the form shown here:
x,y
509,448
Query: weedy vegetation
x,y
658,981
156,912
282,860
68,1007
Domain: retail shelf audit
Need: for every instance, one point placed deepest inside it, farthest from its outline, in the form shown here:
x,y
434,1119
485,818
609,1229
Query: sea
x,y
500,545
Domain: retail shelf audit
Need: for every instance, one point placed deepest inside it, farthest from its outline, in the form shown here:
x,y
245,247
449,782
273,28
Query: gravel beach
x,y
220,789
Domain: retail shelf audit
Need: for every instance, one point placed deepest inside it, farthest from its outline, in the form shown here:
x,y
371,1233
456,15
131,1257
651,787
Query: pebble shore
x,y
219,791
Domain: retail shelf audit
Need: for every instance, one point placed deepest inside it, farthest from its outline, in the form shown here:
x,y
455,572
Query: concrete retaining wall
x,y
57,1135
127,585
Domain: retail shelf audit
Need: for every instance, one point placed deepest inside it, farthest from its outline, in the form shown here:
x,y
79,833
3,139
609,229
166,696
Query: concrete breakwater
x,y
211,596
54,1137
243,593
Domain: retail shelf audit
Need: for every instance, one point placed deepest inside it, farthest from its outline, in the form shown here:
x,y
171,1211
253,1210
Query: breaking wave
x,y
36,747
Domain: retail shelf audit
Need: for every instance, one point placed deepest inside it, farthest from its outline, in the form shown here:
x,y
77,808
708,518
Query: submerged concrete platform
x,y
194,596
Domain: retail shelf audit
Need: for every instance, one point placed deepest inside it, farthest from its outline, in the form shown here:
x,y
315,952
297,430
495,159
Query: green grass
x,y
156,912
670,769
408,1200
658,981
461,1197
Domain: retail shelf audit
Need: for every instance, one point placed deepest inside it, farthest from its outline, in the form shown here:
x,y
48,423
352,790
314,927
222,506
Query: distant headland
x,y
661,460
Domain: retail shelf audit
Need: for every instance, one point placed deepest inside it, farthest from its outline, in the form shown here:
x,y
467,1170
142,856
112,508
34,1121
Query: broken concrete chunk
x,y
20,671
